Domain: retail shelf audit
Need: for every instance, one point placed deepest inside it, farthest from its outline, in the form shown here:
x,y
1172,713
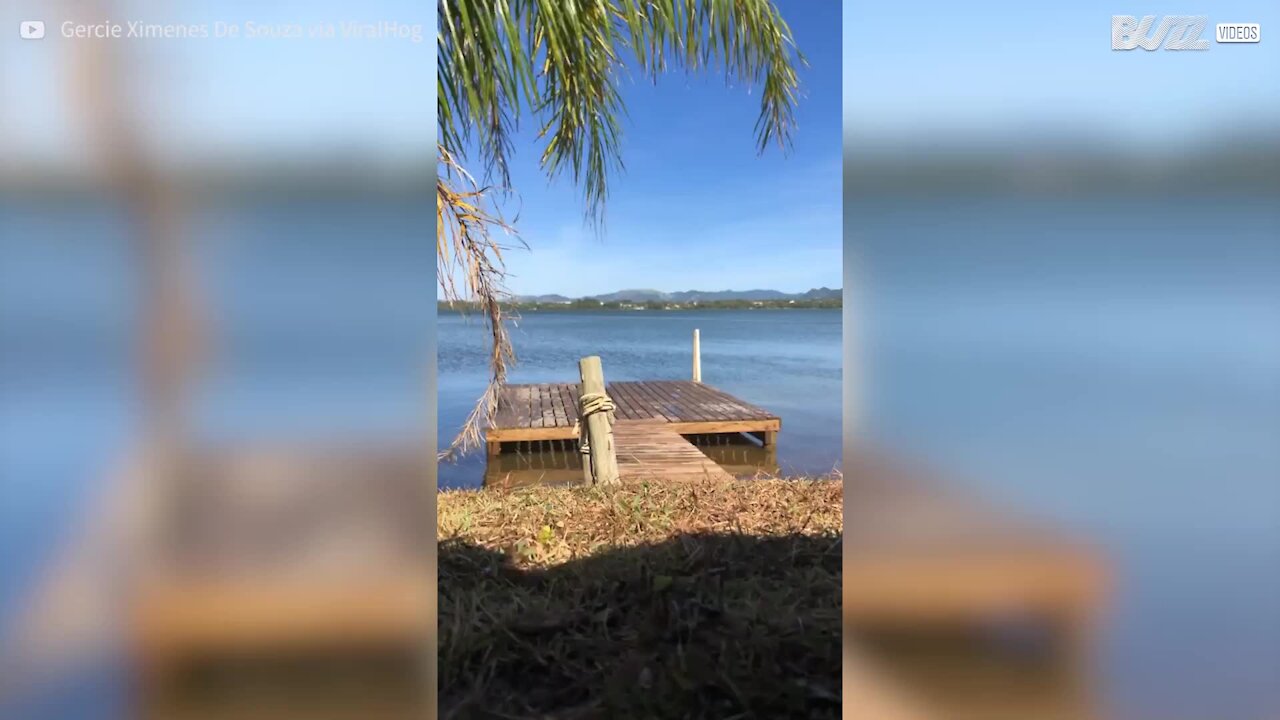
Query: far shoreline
x,y
459,308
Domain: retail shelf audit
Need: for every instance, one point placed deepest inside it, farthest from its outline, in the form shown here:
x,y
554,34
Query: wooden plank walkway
x,y
653,450
548,411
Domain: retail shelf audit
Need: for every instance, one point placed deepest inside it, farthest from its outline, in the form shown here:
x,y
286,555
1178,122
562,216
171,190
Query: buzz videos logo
x,y
1175,32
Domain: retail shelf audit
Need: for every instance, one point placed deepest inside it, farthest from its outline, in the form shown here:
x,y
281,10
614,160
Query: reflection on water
x,y
739,455
558,462
536,462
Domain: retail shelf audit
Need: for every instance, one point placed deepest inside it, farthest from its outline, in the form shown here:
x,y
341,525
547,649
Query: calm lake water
x,y
786,361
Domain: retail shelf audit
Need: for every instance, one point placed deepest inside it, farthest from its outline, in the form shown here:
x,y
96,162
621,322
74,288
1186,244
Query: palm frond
x,y
561,60
466,217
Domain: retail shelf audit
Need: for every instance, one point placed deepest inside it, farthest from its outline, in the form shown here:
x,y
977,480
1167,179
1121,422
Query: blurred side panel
x,y
217,461
1060,484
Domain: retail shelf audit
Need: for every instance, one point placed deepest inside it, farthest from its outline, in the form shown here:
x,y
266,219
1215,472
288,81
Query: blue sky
x,y
697,207
932,67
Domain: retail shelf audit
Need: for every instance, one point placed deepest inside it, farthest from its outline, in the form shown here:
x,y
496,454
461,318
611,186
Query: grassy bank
x,y
702,600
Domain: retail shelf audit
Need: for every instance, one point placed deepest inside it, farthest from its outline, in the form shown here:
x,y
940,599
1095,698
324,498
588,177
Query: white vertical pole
x,y
697,357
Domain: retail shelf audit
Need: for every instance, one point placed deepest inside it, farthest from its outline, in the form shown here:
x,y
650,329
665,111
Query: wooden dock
x,y
926,567
651,419
922,551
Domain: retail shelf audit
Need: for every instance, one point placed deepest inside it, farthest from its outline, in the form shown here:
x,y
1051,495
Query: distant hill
x,y
688,296
824,293
631,296
708,296
543,299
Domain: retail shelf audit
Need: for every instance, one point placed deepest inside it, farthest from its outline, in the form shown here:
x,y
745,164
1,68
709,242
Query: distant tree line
x,y
589,304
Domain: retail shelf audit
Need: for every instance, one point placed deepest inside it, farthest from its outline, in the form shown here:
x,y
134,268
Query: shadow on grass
x,y
696,626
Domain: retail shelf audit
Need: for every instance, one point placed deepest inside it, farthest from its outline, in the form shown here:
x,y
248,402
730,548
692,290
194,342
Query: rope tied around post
x,y
595,425
590,404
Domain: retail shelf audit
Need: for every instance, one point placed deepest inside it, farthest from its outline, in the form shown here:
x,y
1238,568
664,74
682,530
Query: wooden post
x,y
697,357
602,460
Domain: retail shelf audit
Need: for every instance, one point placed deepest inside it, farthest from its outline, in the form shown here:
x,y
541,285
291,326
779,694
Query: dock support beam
x,y
697,357
601,465
767,438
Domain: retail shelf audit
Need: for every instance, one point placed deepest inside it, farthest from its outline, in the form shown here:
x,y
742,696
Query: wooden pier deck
x,y
549,411
647,448
651,419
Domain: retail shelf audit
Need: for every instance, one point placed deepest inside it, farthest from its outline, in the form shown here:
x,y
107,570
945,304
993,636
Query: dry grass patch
x,y
698,600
